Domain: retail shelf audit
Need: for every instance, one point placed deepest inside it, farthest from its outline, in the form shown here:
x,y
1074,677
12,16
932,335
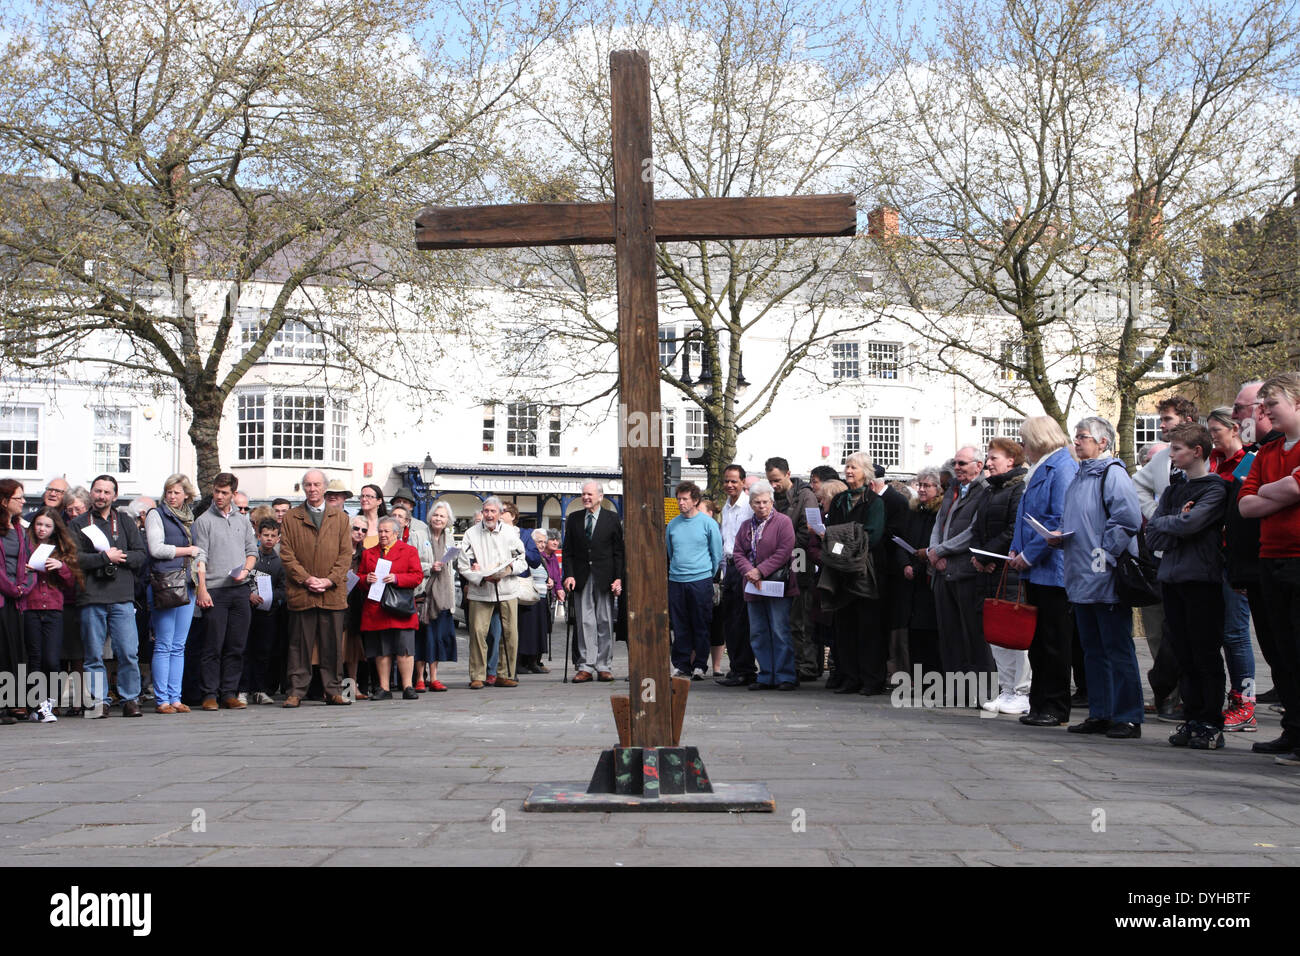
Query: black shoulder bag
x,y
1135,575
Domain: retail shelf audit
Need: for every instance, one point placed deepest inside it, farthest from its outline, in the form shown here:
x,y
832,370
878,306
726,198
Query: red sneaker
x,y
419,687
438,686
492,678
1240,715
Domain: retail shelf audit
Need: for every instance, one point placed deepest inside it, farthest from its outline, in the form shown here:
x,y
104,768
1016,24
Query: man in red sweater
x,y
1271,492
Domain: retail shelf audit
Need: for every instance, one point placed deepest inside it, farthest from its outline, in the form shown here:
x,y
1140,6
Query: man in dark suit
x,y
593,574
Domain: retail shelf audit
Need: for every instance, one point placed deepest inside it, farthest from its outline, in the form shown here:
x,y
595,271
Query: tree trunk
x,y
1124,429
205,427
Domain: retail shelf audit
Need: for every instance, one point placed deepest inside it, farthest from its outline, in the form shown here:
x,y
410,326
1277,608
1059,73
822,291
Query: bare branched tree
x,y
175,167
1060,165
748,99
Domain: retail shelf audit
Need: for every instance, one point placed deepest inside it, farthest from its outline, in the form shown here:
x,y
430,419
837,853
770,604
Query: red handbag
x,y
1009,624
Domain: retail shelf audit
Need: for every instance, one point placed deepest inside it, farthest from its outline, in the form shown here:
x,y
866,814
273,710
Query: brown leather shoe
x,y
209,703
336,699
606,676
476,685
131,708
165,709
582,677
506,682
233,703
291,701
180,709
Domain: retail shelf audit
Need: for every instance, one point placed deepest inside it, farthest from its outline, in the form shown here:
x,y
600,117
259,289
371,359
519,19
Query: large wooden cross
x,y
634,222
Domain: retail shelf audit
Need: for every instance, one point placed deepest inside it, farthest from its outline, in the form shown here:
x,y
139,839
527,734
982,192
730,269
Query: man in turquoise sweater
x,y
694,556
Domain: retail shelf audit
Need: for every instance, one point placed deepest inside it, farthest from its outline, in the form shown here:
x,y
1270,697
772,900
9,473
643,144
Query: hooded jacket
x,y
1098,540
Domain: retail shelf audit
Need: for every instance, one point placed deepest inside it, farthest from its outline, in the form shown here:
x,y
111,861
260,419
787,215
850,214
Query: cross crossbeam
x,y
676,220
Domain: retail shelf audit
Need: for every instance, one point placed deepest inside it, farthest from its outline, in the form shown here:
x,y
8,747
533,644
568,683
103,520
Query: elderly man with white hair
x,y
593,573
491,559
316,550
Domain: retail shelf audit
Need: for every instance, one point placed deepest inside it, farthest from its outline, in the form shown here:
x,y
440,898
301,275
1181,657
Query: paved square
x,y
441,780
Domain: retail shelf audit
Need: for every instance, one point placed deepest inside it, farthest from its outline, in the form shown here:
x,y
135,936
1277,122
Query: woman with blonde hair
x,y
169,539
1042,569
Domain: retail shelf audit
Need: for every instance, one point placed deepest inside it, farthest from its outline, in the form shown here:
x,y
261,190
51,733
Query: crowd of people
x,y
211,603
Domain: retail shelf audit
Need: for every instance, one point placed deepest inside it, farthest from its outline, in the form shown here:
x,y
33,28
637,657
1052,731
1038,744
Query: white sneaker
x,y
262,697
697,674
1013,704
994,705
44,714
243,699
677,673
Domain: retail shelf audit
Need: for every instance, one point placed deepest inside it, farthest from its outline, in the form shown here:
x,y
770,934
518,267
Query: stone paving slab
x,y
441,781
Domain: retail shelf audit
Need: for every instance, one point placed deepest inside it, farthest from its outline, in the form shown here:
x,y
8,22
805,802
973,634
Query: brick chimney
x,y
882,222
1145,221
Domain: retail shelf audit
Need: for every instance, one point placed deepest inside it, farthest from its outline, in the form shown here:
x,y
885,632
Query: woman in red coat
x,y
386,634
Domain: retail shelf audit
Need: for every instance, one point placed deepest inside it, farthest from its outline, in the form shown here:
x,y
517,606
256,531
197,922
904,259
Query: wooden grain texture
x,y
622,707
681,691
638,353
572,224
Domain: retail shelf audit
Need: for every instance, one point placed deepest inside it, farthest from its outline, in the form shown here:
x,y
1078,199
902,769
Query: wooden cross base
x,y
622,707
651,779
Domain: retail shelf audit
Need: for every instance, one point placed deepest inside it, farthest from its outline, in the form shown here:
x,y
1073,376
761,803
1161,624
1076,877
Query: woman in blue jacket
x,y
1101,517
1043,569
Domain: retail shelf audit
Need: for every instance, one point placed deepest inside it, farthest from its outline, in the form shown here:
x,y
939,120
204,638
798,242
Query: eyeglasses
x,y
961,464
1242,408
245,510
367,494
57,491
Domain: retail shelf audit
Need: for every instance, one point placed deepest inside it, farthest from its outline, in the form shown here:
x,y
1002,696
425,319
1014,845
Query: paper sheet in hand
x,y
904,545
814,518
990,554
96,537
37,561
1044,530
774,589
265,592
382,567
449,556
352,580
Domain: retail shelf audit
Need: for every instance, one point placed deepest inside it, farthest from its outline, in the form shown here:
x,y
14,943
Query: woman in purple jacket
x,y
764,546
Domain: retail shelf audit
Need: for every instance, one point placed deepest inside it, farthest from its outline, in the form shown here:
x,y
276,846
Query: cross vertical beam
x,y
646,576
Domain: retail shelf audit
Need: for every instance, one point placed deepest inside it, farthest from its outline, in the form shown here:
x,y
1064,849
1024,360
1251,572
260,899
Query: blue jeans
x,y
1236,641
494,644
769,635
116,621
1110,660
690,609
171,628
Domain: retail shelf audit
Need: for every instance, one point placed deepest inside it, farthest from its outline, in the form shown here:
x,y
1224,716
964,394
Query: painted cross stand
x,y
653,772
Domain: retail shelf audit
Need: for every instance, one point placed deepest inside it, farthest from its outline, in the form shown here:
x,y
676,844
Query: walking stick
x,y
570,626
